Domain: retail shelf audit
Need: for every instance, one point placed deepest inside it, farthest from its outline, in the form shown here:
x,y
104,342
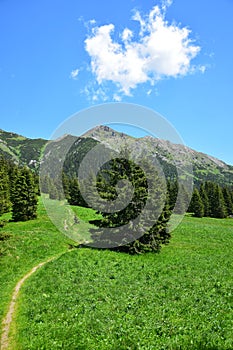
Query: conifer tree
x,y
210,192
182,200
204,199
24,197
45,183
152,234
53,191
66,185
228,200
219,208
196,205
4,188
172,187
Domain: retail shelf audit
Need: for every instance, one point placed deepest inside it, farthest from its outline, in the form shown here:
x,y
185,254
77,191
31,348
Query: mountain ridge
x,y
28,151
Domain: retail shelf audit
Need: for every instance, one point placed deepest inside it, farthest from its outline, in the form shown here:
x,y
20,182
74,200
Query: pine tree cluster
x,y
18,191
211,200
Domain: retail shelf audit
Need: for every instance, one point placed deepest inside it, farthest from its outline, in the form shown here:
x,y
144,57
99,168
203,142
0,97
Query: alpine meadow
x,y
162,290
116,175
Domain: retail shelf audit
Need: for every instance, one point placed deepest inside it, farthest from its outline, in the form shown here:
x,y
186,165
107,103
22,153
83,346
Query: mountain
x,y
21,149
172,156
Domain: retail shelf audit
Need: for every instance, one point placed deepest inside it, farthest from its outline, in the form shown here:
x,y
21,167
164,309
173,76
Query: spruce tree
x,y
210,192
66,185
53,191
142,235
196,205
74,195
24,197
4,188
182,200
204,199
45,183
228,200
172,187
219,208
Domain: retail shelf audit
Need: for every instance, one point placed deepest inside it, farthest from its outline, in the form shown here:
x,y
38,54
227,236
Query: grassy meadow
x,y
181,298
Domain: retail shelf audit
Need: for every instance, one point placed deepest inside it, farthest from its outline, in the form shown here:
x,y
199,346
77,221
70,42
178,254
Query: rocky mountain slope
x,y
172,156
204,167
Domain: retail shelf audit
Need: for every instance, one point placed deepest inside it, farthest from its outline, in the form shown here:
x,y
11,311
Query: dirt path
x,y
6,324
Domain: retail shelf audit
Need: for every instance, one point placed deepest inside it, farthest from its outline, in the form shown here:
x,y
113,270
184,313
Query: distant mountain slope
x,y
21,149
205,167
171,156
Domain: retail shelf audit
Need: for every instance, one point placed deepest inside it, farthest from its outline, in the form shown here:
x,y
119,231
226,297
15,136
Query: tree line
x,y
211,200
18,191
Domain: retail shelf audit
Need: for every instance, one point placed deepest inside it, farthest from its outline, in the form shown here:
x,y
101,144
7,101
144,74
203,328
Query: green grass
x,y
89,299
28,244
86,214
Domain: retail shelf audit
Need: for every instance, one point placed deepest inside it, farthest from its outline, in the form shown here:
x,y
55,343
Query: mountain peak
x,y
103,132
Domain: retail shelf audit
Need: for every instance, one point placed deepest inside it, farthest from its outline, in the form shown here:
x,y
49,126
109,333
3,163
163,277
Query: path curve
x,y
6,324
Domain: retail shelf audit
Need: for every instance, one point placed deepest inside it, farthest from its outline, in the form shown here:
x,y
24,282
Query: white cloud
x,y
160,50
127,35
116,98
74,74
94,93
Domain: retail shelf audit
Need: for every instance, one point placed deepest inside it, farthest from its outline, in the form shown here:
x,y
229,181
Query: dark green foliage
x,y
196,205
204,199
4,187
2,224
53,191
76,154
131,234
216,201
182,199
74,195
228,200
172,187
24,197
65,185
45,184
217,208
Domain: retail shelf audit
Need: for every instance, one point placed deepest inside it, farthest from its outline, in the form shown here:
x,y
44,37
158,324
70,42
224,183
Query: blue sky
x,y
59,57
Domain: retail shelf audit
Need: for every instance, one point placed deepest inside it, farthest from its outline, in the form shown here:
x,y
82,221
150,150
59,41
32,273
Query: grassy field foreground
x,y
181,298
25,244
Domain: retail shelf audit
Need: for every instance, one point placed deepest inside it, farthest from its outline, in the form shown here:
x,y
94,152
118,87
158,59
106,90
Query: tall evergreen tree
x,y
210,192
219,208
196,205
74,196
182,200
152,233
4,188
53,191
24,197
204,199
45,184
172,188
227,200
